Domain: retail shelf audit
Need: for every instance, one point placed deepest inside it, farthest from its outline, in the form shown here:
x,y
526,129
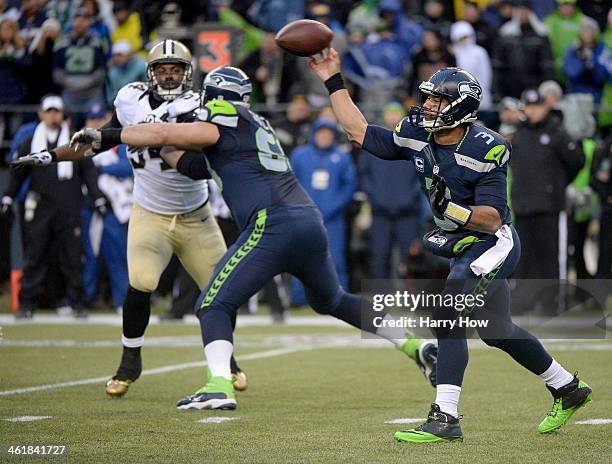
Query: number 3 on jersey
x,y
271,155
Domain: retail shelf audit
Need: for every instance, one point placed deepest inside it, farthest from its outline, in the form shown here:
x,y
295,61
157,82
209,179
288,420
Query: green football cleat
x,y
440,427
425,354
567,400
218,393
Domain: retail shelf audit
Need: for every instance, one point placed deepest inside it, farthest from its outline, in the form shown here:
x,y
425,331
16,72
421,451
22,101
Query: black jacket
x,y
520,61
65,194
601,171
544,161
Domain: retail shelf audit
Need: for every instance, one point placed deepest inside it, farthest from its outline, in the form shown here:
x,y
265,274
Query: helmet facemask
x,y
436,118
168,83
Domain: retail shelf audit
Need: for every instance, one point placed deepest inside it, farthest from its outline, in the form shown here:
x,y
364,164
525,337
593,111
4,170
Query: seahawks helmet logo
x,y
471,89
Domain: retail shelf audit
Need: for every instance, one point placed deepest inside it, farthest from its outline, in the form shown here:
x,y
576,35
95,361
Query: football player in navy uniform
x,y
281,228
463,168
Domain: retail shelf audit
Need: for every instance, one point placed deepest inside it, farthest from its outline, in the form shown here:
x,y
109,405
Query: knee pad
x,y
144,281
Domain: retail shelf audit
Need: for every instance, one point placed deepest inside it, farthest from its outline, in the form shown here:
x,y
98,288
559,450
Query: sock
x,y
218,354
447,397
132,342
556,376
136,313
395,335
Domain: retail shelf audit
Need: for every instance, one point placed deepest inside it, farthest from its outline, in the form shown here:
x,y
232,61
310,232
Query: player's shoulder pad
x,y
127,100
482,150
408,136
219,112
185,103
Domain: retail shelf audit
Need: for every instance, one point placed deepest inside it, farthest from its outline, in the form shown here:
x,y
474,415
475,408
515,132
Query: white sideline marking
x,y
216,420
159,370
27,418
405,421
594,422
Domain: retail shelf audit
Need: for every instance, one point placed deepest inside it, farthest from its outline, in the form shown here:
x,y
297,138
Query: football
x,y
304,37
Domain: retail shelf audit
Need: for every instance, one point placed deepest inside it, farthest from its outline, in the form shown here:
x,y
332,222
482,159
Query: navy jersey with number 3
x,y
248,162
475,169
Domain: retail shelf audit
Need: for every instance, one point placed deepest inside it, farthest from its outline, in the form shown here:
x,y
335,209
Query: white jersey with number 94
x,y
157,186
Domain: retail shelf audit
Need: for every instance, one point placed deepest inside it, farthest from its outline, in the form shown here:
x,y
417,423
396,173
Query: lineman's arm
x,y
180,135
189,163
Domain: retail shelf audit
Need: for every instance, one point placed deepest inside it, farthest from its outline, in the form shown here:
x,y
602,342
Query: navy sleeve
x,y
491,190
379,142
193,165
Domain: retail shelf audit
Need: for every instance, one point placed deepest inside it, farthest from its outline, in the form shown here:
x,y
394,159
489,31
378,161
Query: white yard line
x,y
216,420
594,422
159,370
407,420
27,418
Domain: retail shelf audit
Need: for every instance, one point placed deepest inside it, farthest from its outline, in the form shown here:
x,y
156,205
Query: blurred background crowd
x,y
545,67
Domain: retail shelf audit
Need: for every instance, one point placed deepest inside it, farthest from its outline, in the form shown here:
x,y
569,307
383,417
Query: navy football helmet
x,y
463,93
227,83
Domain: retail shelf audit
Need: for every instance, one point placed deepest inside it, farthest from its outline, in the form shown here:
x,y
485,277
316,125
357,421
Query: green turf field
x,y
316,394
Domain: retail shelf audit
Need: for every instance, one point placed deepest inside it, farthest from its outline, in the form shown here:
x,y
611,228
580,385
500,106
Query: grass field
x,y
316,394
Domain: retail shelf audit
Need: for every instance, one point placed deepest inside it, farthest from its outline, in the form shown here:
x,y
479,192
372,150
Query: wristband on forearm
x,y
53,155
458,214
335,83
111,137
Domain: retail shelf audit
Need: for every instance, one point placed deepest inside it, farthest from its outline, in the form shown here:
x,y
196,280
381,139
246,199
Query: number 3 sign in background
x,y
215,46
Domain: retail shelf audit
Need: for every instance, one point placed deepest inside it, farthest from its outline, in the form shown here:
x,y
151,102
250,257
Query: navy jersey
x,y
475,169
248,162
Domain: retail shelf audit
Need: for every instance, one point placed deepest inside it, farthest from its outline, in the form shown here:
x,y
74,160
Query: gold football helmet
x,y
169,84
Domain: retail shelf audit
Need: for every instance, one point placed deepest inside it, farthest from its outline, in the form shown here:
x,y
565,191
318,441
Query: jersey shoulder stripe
x,y
406,135
219,112
482,149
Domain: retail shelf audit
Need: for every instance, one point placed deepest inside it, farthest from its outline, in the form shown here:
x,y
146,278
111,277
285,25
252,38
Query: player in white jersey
x,y
170,215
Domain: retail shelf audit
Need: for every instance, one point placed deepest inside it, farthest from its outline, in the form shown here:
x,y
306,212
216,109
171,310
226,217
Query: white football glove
x,y
87,136
41,158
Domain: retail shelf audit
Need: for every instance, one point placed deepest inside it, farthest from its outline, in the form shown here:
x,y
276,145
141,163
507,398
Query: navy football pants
x,y
500,332
280,239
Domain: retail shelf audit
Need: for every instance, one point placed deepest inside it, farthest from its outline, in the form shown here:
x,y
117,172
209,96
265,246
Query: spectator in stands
x,y
273,70
98,26
13,68
588,64
605,109
129,25
9,10
596,9
497,13
522,57
485,33
434,18
52,216
430,57
62,11
378,67
272,15
544,161
407,31
563,30
105,237
293,128
79,67
327,173
473,58
602,184
510,117
33,15
41,57
395,199
124,67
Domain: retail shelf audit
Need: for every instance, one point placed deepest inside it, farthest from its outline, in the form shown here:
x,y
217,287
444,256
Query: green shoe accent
x,y
411,347
417,436
558,416
218,385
